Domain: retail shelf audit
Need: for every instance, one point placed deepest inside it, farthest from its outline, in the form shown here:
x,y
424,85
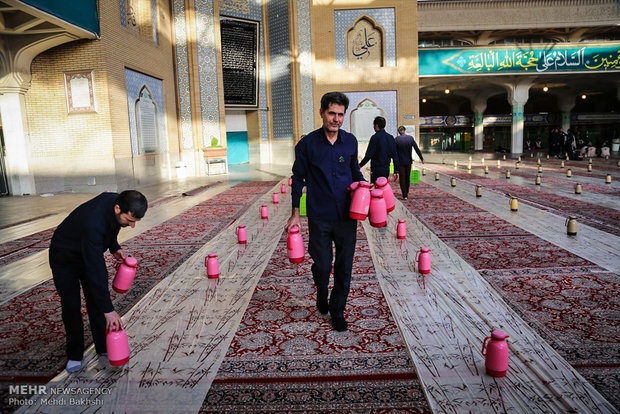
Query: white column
x,y
517,97
566,103
17,142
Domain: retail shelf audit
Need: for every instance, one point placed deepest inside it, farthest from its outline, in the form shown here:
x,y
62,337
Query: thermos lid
x,y
499,335
242,226
381,181
425,250
353,185
376,193
364,184
402,221
131,261
293,229
264,205
212,255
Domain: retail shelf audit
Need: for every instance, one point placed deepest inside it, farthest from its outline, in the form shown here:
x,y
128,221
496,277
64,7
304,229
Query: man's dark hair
x,y
380,122
402,129
337,98
132,201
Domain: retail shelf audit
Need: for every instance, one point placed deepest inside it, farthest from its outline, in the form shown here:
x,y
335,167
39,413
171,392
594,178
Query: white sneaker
x,y
74,366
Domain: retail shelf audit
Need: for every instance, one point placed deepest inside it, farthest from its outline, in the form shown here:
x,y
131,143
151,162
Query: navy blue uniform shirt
x,y
404,144
326,170
381,149
86,234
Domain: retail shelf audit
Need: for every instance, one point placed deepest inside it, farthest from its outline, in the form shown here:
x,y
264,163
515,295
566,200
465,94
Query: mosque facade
x,y
113,94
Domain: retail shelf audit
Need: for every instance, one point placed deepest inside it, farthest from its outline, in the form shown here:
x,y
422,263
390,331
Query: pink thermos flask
x,y
263,211
290,181
118,347
423,256
242,236
382,184
378,211
360,200
213,267
283,189
275,198
125,275
401,229
496,355
295,245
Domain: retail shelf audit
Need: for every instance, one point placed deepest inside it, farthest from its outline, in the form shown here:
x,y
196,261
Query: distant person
x,y
326,164
404,145
605,149
528,145
76,259
538,144
381,149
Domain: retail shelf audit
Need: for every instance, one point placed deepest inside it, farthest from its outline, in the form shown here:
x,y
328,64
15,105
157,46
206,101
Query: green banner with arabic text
x,y
555,58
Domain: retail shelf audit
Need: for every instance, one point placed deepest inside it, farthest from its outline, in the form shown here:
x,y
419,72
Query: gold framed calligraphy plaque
x,y
365,42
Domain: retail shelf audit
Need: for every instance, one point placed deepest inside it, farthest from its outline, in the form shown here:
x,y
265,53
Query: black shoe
x,y
322,306
339,324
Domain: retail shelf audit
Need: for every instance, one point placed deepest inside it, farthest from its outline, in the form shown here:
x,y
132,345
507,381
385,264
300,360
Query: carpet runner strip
x,y
286,356
568,300
445,316
180,330
603,218
31,331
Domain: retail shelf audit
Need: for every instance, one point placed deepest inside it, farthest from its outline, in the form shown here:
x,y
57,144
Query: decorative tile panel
x,y
280,59
185,106
249,9
134,82
344,19
207,73
385,100
304,41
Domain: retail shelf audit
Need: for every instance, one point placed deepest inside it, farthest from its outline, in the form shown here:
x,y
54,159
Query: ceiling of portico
x,y
601,91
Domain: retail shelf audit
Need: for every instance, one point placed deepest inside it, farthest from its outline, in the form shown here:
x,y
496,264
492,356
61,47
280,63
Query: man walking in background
x,y
404,144
381,149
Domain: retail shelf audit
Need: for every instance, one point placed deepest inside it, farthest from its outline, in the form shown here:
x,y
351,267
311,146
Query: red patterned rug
x,y
31,332
568,300
286,354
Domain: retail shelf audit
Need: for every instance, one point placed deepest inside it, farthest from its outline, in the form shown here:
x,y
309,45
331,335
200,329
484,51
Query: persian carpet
x,y
571,302
32,339
286,356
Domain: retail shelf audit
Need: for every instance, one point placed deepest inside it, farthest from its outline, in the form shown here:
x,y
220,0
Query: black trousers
x,y
69,273
404,175
343,234
379,173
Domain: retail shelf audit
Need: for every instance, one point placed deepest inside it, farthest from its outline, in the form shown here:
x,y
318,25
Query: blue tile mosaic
x,y
304,41
207,73
279,51
249,9
121,4
185,106
134,82
386,100
344,19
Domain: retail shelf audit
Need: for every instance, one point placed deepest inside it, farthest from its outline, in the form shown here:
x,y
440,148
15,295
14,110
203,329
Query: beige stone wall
x,y
403,77
516,14
68,150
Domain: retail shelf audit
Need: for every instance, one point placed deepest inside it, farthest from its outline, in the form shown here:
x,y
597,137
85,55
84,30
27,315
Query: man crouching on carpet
x,y
326,163
76,257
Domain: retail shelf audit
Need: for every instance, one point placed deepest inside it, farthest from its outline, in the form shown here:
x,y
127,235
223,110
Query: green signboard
x,y
554,58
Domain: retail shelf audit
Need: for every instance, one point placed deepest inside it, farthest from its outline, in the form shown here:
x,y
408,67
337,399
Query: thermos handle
x,y
417,254
566,222
484,345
